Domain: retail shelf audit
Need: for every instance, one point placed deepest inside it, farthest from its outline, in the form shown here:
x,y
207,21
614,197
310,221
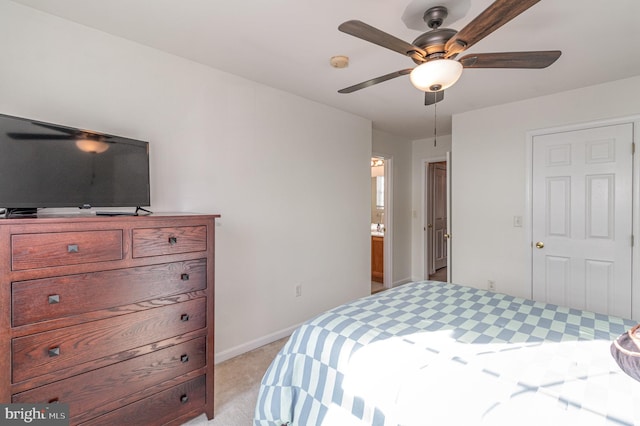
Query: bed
x,y
432,353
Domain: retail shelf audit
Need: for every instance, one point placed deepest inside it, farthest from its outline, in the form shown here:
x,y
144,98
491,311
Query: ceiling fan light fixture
x,y
92,146
436,75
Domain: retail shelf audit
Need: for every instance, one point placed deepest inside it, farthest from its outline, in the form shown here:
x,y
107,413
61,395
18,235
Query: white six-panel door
x,y
582,218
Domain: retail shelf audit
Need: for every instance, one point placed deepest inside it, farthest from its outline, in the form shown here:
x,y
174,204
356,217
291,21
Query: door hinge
x,y
632,240
633,147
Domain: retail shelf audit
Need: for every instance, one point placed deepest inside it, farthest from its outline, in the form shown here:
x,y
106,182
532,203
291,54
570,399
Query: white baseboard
x,y
253,344
404,281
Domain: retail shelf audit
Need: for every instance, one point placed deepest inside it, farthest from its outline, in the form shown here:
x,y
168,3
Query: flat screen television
x,y
44,165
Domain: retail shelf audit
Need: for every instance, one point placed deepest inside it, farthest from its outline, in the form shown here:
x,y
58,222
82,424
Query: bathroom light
x,y
436,74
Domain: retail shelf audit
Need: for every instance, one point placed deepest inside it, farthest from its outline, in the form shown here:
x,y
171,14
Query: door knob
x,y
447,236
539,244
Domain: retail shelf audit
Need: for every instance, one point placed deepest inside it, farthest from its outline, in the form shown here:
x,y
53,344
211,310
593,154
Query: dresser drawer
x,y
165,406
30,251
171,240
57,297
51,351
87,393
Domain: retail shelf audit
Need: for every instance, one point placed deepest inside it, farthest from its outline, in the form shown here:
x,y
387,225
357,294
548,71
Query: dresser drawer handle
x,y
73,248
184,399
54,298
54,351
184,358
54,401
184,317
173,240
184,277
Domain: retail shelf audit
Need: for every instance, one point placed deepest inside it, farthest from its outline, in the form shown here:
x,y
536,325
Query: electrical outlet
x,y
491,285
298,290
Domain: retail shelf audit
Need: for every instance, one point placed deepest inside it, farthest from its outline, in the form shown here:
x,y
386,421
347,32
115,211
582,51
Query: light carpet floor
x,y
237,382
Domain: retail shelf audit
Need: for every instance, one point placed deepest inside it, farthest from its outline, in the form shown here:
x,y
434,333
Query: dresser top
x,y
43,218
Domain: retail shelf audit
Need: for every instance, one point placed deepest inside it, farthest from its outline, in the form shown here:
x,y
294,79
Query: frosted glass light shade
x,y
436,75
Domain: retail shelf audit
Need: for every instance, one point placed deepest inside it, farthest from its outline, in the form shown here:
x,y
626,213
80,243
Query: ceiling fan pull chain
x,y
435,123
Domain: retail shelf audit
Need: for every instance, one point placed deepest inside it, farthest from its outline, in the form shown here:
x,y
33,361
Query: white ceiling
x,y
287,44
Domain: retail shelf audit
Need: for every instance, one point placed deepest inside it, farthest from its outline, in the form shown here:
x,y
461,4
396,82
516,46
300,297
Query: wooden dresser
x,y
112,315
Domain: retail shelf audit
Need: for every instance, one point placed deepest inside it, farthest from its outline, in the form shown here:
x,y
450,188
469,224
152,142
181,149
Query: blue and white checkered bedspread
x,y
431,353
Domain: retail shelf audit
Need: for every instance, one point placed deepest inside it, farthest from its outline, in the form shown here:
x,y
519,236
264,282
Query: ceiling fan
x,y
435,51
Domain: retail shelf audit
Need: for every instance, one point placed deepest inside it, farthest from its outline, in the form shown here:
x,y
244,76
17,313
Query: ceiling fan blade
x,y
431,98
373,35
535,59
492,18
373,81
37,136
58,128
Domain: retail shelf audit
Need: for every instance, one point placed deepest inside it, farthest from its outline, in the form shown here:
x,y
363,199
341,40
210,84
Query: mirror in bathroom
x,y
377,195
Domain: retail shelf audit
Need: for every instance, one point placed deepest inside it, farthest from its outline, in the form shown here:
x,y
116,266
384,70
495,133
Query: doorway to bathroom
x,y
381,213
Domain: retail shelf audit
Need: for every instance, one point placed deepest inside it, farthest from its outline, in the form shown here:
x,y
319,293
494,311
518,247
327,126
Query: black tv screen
x,y
49,165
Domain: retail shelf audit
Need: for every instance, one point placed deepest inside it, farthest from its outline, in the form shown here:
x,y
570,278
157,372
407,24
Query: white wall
x,y
399,149
423,151
489,179
290,177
